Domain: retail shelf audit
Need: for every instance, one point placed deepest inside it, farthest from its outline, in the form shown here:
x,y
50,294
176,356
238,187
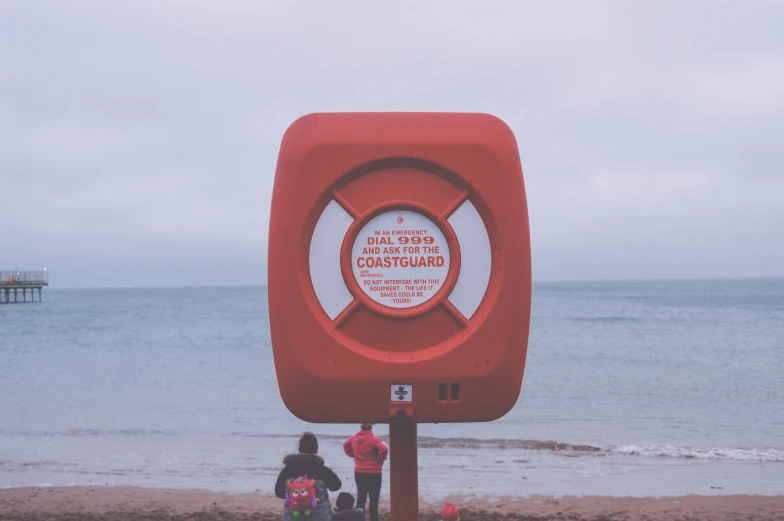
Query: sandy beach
x,y
142,504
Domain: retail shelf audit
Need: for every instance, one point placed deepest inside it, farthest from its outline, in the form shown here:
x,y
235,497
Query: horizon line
x,y
535,281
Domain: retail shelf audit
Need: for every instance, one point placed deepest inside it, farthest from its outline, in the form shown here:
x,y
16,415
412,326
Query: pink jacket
x,y
368,451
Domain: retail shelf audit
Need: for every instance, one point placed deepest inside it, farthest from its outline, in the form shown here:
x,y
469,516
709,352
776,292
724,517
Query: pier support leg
x,y
404,472
16,296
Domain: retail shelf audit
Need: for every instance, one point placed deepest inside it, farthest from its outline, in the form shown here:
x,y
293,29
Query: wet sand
x,y
148,504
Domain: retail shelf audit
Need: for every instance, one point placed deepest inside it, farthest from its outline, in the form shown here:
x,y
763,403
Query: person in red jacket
x,y
369,454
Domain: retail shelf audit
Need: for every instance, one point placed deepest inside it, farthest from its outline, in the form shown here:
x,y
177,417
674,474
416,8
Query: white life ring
x,y
325,259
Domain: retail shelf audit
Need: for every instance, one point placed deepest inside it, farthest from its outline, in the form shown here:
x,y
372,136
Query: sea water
x,y
631,388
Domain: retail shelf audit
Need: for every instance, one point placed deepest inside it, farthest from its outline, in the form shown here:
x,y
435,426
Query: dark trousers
x,y
368,485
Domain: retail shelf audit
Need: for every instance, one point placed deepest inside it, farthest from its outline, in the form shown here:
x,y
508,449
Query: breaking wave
x,y
575,449
711,453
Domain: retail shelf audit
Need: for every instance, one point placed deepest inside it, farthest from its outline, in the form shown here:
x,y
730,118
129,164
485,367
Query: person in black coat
x,y
308,463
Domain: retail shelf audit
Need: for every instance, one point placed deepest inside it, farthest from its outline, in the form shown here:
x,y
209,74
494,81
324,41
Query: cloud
x,y
144,135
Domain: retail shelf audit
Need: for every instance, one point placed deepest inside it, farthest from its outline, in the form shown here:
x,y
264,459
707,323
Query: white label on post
x,y
402,393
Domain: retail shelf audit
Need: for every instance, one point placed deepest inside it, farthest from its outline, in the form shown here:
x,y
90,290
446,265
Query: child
x,y
369,454
344,509
450,513
308,463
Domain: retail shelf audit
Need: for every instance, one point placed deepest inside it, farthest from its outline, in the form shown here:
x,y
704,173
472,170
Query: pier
x,y
14,285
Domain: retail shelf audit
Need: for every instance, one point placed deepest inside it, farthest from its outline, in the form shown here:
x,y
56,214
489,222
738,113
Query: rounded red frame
x,y
454,260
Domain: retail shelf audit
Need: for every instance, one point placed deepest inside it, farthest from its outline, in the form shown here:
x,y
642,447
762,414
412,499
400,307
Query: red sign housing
x,y
399,268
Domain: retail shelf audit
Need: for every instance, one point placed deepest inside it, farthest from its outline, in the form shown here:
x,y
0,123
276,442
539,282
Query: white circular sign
x,y
400,259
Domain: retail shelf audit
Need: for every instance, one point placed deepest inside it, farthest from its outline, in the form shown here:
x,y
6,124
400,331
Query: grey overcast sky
x,y
138,140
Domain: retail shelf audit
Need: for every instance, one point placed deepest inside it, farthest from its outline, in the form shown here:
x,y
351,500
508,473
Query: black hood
x,y
303,463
